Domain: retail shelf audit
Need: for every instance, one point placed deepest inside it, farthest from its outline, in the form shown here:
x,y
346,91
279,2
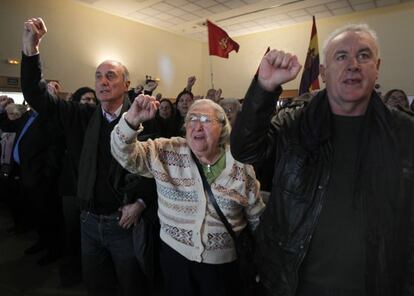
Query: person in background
x,y
158,97
84,95
198,255
164,124
340,216
134,92
183,102
36,158
9,175
232,107
214,94
396,97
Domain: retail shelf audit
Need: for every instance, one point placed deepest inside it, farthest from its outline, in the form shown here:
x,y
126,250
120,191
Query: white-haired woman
x,y
197,253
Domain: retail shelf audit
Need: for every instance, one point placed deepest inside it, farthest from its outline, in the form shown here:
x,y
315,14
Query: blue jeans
x,y
108,258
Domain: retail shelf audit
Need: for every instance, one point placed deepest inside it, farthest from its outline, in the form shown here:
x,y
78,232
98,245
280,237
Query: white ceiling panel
x,y
238,16
364,6
341,11
338,4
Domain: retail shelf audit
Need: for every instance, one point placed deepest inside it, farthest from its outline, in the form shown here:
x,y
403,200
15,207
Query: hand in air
x,y
276,68
34,30
142,109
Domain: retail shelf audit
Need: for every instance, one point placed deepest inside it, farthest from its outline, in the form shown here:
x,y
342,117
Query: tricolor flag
x,y
310,73
220,44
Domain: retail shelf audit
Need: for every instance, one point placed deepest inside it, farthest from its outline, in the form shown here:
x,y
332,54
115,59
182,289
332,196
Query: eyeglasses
x,y
192,119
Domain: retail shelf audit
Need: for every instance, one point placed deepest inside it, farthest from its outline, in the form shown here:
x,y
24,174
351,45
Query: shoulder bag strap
x,y
213,199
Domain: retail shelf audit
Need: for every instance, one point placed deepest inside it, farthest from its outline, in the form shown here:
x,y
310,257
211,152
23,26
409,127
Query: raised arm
x,y
253,136
34,87
131,154
190,83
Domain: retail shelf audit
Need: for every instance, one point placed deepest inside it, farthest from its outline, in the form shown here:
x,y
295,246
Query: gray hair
x,y
231,101
124,68
221,116
18,109
362,28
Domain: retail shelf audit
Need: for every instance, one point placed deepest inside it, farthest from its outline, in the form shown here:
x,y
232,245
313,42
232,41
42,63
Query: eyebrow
x,y
342,51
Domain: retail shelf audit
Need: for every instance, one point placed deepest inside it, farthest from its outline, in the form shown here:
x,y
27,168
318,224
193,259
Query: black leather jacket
x,y
298,139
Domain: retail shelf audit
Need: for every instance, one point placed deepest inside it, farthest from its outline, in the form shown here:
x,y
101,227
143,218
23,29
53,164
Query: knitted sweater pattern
x,y
189,223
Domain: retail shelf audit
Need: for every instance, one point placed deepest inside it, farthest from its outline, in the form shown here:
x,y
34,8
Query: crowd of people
x,y
134,193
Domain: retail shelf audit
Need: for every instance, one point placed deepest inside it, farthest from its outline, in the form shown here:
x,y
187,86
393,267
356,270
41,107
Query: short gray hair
x,y
363,28
124,68
18,109
221,116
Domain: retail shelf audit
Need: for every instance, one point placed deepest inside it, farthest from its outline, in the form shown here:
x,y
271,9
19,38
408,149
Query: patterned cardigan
x,y
189,223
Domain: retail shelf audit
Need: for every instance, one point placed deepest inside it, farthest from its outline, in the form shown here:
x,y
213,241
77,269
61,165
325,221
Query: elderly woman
x,y
396,97
197,254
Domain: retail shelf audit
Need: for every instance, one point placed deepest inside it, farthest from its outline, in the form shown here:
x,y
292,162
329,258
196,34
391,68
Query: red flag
x,y
310,73
220,44
267,50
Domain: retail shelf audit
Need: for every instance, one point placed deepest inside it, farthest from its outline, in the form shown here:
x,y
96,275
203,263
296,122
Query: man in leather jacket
x,y
340,216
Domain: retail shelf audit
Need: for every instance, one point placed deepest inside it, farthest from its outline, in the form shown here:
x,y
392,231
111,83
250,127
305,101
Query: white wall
x,y
80,37
394,25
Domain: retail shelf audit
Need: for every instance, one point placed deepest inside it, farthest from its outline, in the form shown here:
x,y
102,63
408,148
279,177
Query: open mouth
x,y
352,81
199,137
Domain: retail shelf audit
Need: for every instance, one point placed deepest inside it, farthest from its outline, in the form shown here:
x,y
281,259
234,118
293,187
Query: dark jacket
x,y
40,148
298,140
75,120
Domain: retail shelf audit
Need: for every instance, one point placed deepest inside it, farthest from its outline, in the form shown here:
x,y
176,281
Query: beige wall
x,y
79,38
394,25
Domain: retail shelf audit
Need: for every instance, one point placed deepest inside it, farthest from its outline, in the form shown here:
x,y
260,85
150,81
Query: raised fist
x,y
34,30
142,109
276,68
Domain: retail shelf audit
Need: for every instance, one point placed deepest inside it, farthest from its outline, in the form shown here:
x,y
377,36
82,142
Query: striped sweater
x,y
189,223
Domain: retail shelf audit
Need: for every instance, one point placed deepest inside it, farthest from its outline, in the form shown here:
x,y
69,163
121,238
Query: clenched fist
x,y
142,109
34,30
276,68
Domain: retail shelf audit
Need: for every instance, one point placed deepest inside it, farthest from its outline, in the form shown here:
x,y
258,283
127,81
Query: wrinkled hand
x,y
150,86
34,30
276,68
131,214
4,101
142,109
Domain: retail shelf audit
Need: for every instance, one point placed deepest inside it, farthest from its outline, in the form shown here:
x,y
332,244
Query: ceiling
x,y
236,17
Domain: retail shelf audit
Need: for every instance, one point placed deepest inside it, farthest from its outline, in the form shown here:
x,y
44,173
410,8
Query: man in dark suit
x,y
36,155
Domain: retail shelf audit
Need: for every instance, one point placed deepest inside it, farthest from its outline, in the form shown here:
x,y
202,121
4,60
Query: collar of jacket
x,y
315,124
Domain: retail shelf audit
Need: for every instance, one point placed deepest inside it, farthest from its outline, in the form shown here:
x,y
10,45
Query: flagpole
x,y
211,72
